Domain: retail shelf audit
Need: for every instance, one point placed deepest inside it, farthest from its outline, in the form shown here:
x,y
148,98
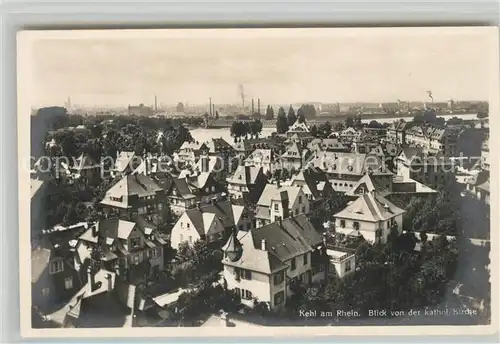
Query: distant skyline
x,y
281,66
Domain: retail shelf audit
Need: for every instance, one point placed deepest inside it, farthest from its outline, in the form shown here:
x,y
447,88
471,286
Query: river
x,y
202,134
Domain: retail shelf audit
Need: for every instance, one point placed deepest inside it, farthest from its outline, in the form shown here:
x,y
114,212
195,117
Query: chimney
x,y
204,163
263,245
247,174
91,278
94,230
253,109
285,204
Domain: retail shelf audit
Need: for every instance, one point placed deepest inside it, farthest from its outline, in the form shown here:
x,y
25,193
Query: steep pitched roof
x,y
222,210
113,228
124,160
245,175
40,258
137,184
273,192
293,151
262,155
291,238
216,145
299,127
315,179
370,207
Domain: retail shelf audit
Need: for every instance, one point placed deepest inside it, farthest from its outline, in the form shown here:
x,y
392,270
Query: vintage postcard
x,y
256,182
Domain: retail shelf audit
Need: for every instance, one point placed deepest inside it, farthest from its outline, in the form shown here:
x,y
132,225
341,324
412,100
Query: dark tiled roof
x,y
290,238
223,210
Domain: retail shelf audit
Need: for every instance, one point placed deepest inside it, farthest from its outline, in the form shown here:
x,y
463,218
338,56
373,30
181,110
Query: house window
x,y
247,294
135,242
56,267
356,225
154,253
276,207
296,211
305,259
279,278
243,274
304,209
137,258
160,206
348,266
68,283
378,233
276,218
237,291
300,199
293,264
213,188
279,298
388,224
188,225
342,223
45,292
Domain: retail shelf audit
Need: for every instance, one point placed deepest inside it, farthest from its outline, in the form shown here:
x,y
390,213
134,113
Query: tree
x,y
256,127
291,112
281,124
349,122
482,114
291,118
269,113
301,117
314,131
325,129
216,114
375,124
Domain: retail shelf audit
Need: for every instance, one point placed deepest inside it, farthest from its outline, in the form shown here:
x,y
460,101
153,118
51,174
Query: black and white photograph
x,y
323,179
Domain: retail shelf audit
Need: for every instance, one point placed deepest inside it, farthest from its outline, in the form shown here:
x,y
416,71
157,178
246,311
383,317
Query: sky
x,y
120,67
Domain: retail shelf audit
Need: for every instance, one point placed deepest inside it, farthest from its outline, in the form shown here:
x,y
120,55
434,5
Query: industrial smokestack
x,y
156,103
258,105
213,109
253,109
210,105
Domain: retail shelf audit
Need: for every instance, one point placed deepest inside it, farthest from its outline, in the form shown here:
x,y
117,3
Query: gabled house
x,y
371,216
86,169
54,277
190,188
346,169
125,163
347,135
280,202
134,194
247,183
315,185
416,136
479,186
211,222
396,133
264,158
413,163
190,152
132,249
299,129
294,157
267,264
